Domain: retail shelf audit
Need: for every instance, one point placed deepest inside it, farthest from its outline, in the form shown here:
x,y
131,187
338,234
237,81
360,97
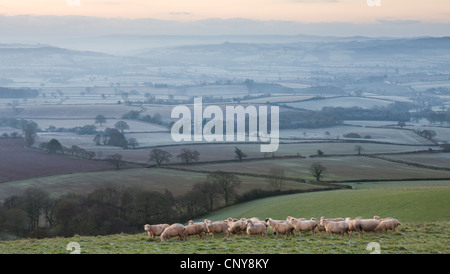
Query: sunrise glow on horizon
x,y
307,11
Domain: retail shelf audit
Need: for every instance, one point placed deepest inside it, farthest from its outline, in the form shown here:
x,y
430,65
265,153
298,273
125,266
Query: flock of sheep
x,y
255,226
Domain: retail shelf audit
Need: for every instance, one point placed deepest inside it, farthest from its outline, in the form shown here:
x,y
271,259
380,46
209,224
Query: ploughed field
x,y
18,162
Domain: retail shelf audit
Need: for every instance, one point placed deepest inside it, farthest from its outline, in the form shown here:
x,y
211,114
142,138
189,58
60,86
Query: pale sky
x,y
305,11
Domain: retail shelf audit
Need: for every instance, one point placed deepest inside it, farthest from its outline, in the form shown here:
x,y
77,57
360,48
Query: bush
x,y
353,135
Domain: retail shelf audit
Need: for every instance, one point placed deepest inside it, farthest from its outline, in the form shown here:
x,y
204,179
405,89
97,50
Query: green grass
x,y
421,207
410,238
406,201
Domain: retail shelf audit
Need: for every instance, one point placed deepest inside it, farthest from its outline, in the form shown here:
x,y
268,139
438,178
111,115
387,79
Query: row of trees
x,y
111,209
116,208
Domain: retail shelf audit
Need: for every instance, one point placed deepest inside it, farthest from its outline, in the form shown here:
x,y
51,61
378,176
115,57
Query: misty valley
x,y
90,133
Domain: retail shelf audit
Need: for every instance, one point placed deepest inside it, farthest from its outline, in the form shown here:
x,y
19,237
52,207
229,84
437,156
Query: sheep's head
x,y
147,227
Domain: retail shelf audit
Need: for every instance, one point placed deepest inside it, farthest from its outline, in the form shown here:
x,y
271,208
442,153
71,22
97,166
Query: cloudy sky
x,y
305,11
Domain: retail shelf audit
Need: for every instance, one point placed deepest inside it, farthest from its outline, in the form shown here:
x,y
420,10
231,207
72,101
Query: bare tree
x,y
188,155
133,142
100,119
276,178
121,125
358,149
317,170
116,160
239,154
33,204
159,156
226,182
210,191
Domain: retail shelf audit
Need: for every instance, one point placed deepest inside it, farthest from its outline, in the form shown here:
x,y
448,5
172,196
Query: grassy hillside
x,y
422,207
407,201
410,238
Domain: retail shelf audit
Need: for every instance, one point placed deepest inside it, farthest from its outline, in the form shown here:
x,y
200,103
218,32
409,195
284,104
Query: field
x,y
340,101
424,229
339,168
153,179
18,162
407,201
411,238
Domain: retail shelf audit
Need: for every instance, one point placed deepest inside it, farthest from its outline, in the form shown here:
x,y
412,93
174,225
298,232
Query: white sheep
x,y
365,225
280,227
217,227
194,229
175,230
237,227
388,224
257,228
302,225
338,227
155,230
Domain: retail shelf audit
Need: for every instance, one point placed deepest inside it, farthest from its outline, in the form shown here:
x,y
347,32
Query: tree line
x,y
110,209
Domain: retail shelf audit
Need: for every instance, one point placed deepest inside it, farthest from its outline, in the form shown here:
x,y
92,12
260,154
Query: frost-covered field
x,y
340,102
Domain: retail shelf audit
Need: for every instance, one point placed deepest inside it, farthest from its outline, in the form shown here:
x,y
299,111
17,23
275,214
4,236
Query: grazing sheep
x,y
155,230
202,224
353,226
217,227
304,225
338,227
320,228
257,220
173,231
237,227
256,228
280,227
389,224
194,229
366,225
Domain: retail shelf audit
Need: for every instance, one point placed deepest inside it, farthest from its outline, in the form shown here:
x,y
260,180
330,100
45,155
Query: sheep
x,y
353,226
202,224
304,225
194,229
280,227
173,231
340,227
289,218
256,228
389,224
333,219
155,230
320,228
237,227
257,220
217,227
230,220
366,225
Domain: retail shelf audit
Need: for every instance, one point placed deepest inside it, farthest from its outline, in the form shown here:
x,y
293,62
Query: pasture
x,y
343,101
152,179
407,201
424,229
339,168
410,238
